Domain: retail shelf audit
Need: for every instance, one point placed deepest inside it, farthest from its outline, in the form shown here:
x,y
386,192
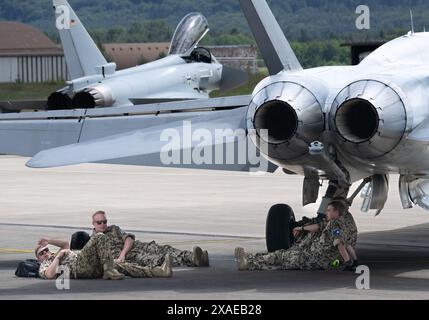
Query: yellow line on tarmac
x,y
14,251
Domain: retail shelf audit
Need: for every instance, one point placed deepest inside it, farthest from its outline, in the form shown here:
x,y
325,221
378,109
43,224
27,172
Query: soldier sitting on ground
x,y
350,223
326,242
94,261
304,238
126,249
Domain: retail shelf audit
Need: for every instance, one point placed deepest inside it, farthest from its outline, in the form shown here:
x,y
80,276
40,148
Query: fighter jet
x,y
188,72
342,124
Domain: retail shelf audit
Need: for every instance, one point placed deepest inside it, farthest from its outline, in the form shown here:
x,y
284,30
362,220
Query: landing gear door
x,y
190,31
375,193
414,192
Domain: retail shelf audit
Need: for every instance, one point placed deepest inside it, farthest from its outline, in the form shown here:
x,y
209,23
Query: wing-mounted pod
x,y
291,113
369,119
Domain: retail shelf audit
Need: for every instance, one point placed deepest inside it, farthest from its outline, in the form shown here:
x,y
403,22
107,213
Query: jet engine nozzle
x,y
369,119
59,101
97,97
291,116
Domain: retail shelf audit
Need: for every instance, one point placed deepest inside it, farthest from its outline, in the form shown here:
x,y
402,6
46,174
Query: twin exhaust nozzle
x,y
368,119
97,97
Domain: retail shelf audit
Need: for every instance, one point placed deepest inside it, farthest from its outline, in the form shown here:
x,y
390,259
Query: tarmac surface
x,y
216,210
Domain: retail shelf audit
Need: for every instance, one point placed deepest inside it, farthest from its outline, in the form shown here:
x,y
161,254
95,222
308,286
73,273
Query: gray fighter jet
x,y
339,124
188,72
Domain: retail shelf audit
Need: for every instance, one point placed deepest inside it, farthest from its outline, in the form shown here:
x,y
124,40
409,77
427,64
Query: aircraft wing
x,y
139,135
147,141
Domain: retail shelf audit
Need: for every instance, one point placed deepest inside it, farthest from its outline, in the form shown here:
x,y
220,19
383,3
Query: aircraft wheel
x,y
279,228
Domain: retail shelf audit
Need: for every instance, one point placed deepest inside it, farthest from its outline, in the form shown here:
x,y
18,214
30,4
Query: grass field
x,y
27,91
41,91
244,90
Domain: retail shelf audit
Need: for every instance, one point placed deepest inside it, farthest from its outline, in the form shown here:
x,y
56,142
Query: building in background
x,y
27,55
360,50
128,55
241,57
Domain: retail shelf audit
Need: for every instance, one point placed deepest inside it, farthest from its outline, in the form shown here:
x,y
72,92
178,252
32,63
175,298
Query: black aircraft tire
x,y
279,227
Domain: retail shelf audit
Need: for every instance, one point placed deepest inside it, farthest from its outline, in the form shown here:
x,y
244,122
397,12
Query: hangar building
x,y
27,55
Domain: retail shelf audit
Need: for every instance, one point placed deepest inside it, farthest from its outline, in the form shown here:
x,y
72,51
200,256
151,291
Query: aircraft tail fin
x,y
81,53
272,42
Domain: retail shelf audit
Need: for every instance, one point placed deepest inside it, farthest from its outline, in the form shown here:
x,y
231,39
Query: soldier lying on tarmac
x,y
332,239
94,261
126,249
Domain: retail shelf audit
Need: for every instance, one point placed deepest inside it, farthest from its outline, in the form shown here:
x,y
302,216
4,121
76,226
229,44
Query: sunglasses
x,y
44,251
101,222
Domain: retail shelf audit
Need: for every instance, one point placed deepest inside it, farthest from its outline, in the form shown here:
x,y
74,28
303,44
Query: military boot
x,y
206,259
200,258
110,273
240,258
164,271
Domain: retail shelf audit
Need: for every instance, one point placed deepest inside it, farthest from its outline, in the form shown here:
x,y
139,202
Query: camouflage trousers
x,y
152,255
134,270
292,259
93,257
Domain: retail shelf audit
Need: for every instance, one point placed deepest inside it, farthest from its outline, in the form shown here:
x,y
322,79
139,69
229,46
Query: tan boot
x,y
111,273
164,271
206,260
240,258
198,257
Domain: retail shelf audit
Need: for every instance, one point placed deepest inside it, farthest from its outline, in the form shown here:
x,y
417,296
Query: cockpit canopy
x,y
190,31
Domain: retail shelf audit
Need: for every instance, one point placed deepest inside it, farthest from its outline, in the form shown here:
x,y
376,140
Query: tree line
x,y
316,28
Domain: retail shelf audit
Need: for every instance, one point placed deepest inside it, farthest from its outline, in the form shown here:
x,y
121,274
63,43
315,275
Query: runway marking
x,y
207,235
14,251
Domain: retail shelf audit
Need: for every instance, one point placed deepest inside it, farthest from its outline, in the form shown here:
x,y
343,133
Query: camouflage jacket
x,y
332,234
117,239
352,230
69,261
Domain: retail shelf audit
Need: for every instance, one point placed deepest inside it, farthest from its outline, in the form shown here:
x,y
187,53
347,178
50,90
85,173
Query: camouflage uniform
x,y
315,251
134,270
352,228
145,254
85,264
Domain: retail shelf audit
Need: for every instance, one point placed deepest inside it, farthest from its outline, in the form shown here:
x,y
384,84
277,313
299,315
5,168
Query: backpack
x,y
28,269
79,240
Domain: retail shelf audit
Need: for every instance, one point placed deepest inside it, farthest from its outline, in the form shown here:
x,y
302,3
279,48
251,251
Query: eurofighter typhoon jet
x,y
339,124
188,72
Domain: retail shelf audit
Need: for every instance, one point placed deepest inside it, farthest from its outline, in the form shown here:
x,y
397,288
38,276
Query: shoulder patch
x,y
336,232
